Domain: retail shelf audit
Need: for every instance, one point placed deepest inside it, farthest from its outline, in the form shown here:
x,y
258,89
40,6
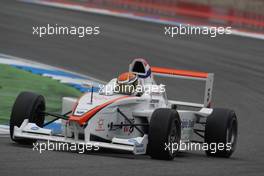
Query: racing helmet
x,y
140,67
126,83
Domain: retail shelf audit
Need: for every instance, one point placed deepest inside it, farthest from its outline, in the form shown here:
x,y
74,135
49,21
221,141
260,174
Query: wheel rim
x,y
173,136
231,135
38,117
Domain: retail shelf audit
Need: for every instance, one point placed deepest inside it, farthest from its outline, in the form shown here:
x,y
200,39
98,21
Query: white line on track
x,y
4,130
8,59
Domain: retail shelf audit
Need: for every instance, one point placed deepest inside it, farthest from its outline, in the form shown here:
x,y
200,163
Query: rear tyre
x,y
29,106
221,130
164,129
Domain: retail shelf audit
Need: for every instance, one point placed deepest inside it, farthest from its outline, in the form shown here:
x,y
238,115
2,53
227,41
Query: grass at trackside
x,y
13,81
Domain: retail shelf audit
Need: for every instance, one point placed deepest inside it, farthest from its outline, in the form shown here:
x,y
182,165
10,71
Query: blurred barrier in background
x,y
240,14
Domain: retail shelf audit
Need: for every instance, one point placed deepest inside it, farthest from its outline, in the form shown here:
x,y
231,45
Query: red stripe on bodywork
x,y
88,115
187,73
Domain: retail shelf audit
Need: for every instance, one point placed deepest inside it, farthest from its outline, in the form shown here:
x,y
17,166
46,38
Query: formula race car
x,y
131,113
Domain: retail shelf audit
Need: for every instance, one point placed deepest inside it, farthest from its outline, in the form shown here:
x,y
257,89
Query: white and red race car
x,y
141,120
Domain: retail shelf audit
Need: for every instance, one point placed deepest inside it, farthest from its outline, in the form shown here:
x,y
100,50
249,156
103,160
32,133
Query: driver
x,y
127,83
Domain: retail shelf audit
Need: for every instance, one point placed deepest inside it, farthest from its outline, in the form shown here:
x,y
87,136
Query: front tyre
x,y
221,131
29,106
164,130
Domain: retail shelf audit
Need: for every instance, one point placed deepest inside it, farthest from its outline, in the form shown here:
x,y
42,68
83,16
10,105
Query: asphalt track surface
x,y
237,62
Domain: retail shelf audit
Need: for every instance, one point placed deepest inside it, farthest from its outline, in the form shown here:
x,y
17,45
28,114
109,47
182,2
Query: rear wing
x,y
208,78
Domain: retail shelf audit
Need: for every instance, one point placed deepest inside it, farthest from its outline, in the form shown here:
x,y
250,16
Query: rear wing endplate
x,y
208,78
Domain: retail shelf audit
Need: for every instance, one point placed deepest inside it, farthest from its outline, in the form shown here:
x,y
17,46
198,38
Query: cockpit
x,y
131,82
